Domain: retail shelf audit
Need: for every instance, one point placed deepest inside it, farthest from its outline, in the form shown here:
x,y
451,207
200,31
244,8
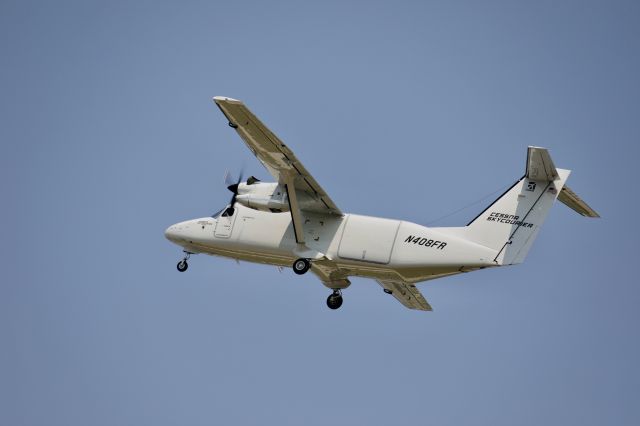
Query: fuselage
x,y
360,245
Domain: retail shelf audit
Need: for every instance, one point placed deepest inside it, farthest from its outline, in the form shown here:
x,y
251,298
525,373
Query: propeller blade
x,y
233,187
227,178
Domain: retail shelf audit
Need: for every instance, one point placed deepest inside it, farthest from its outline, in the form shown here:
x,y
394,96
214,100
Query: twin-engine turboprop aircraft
x,y
292,221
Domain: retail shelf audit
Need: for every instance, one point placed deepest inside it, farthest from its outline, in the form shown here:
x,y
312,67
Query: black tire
x,y
301,266
334,301
182,265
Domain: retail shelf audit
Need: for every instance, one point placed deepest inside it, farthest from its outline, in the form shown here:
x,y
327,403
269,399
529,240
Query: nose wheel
x,y
301,266
183,265
334,301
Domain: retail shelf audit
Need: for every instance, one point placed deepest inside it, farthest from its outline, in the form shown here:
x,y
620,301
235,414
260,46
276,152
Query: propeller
x,y
233,187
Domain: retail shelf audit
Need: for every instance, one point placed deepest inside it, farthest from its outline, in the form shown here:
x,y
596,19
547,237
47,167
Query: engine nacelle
x,y
274,204
269,197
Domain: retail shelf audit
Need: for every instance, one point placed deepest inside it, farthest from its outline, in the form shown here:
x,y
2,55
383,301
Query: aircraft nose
x,y
171,233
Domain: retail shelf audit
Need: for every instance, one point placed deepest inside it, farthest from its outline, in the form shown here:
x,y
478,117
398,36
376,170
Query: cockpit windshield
x,y
225,211
219,212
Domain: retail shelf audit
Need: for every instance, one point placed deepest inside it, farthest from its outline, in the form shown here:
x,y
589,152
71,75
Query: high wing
x,y
407,294
274,154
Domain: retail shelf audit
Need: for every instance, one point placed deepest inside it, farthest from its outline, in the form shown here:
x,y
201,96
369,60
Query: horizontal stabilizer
x,y
540,166
407,294
571,200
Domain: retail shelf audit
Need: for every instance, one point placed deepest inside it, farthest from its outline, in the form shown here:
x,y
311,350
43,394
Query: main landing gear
x,y
301,266
334,301
183,265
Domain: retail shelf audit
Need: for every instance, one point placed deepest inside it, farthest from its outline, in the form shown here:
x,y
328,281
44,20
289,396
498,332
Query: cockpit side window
x,y
220,212
227,211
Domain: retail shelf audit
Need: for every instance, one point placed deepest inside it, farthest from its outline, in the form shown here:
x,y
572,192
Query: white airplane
x,y
292,221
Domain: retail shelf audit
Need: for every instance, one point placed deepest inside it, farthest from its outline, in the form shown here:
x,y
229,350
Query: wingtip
x,y
224,98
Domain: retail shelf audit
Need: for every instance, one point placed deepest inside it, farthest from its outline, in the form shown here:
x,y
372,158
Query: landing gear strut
x,y
183,265
334,301
301,266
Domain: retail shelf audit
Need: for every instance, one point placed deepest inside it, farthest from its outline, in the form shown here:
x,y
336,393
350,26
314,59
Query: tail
x,y
511,223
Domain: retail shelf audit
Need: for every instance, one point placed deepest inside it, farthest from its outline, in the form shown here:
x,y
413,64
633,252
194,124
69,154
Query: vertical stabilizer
x,y
511,223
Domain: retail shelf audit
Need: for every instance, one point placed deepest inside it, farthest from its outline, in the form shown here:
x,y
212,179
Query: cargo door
x,y
368,239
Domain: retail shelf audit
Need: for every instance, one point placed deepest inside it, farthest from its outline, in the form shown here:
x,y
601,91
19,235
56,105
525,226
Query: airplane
x,y
293,222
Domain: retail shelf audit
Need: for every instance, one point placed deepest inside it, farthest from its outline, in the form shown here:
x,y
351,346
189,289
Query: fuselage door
x,y
368,239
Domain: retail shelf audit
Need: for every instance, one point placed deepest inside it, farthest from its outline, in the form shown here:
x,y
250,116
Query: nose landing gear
x,y
334,301
183,265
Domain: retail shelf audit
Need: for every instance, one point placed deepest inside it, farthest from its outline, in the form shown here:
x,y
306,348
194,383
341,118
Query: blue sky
x,y
409,110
